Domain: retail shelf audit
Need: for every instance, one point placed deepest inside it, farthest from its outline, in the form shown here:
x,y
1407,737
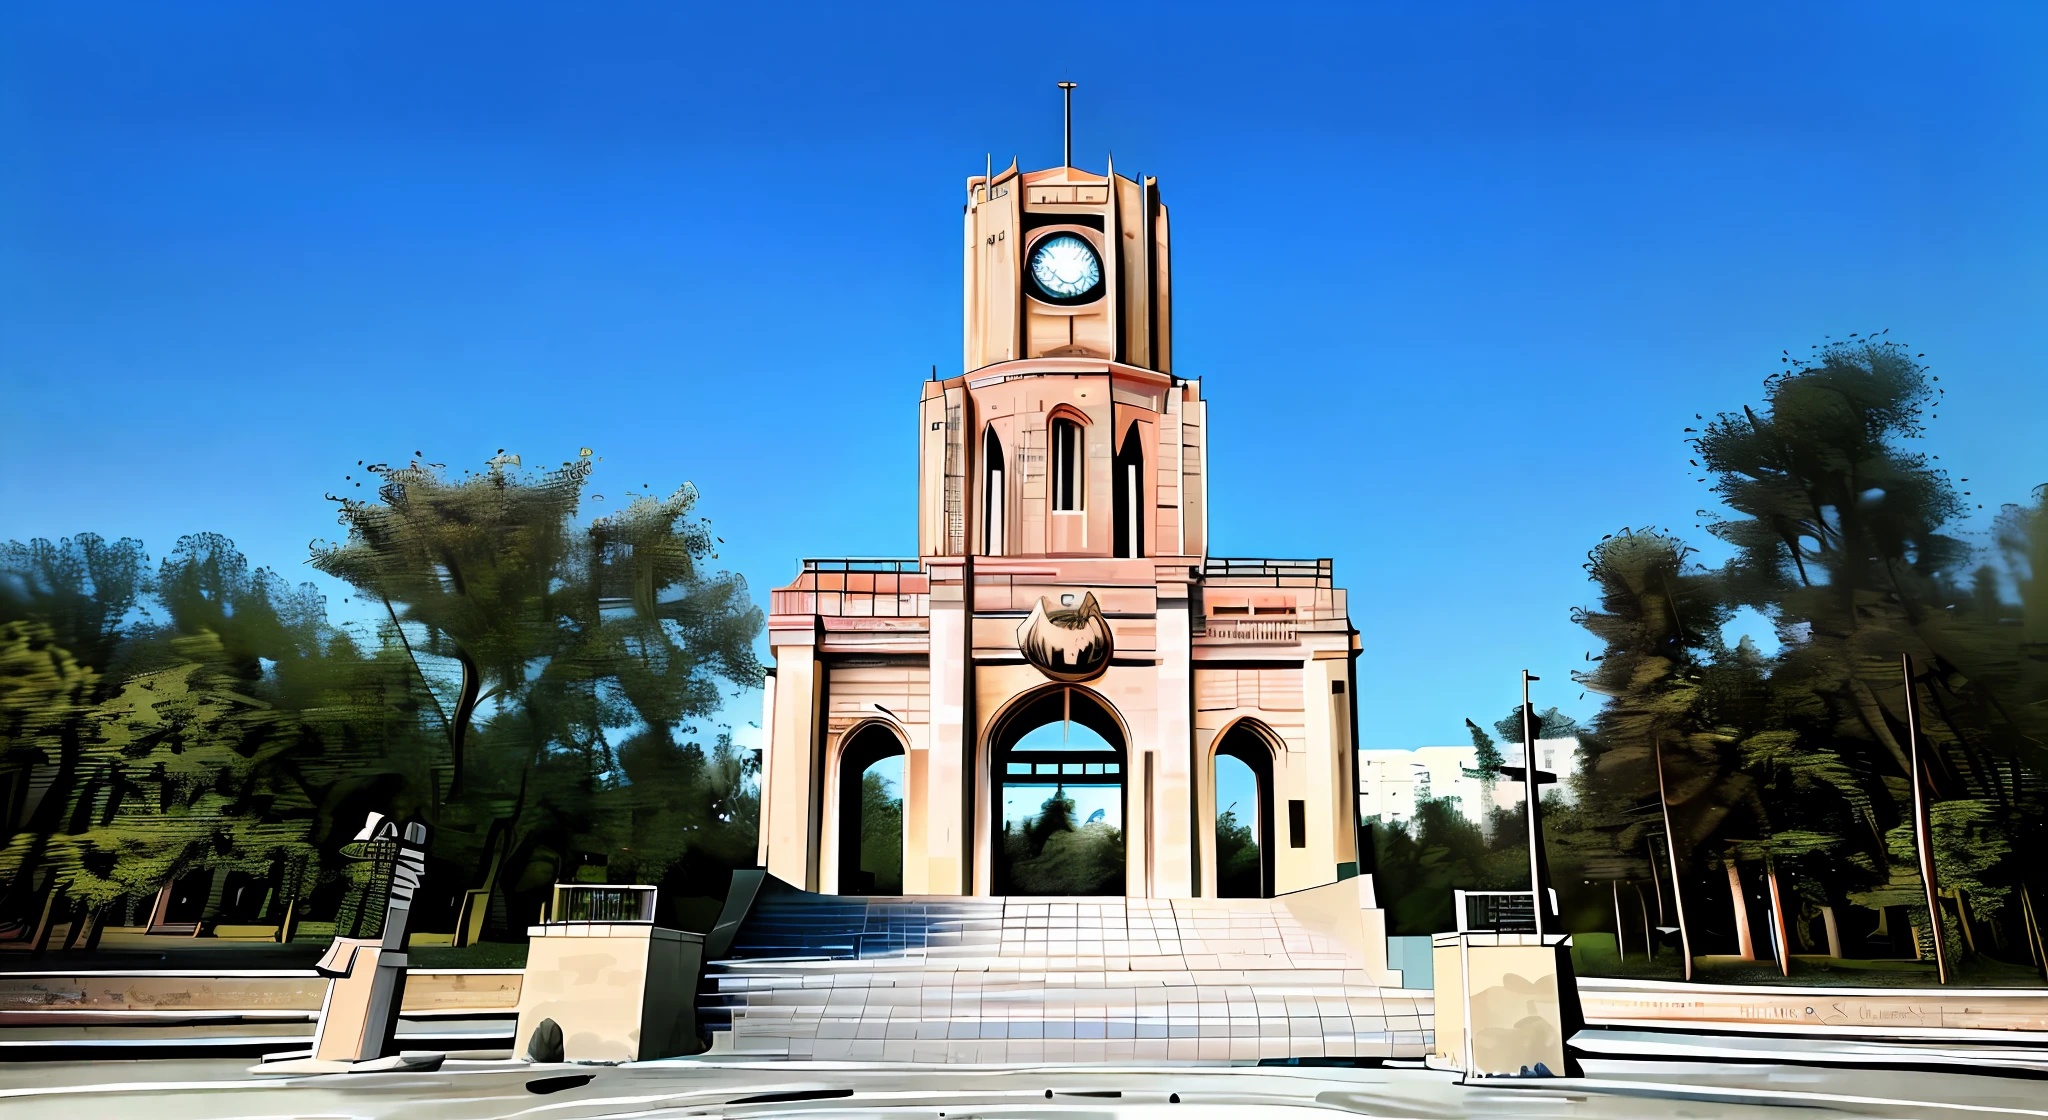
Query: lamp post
x,y
1532,802
1533,781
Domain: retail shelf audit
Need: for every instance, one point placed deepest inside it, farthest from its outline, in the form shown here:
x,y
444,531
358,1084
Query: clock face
x,y
1065,269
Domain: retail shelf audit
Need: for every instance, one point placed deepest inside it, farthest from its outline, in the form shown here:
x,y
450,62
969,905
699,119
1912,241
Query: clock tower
x,y
1063,692
1064,263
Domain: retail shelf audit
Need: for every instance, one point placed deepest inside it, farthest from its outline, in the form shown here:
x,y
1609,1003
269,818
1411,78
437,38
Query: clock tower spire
x,y
1067,149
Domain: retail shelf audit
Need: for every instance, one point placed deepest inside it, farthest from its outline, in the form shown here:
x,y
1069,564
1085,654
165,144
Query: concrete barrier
x,y
1505,1004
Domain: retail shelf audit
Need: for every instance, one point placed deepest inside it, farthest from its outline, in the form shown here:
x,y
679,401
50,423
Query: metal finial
x,y
1067,158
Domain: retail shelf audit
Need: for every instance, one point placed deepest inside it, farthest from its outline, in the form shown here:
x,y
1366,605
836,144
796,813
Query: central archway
x,y
1059,780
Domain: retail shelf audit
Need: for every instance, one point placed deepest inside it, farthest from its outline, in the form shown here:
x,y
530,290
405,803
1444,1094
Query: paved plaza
x,y
212,1088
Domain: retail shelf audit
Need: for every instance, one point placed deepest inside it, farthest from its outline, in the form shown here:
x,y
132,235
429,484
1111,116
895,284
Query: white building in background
x,y
1391,781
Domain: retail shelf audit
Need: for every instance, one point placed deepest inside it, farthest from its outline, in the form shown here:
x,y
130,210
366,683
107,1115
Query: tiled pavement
x,y
944,979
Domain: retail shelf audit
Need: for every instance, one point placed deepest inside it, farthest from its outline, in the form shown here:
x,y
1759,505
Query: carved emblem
x,y
1068,644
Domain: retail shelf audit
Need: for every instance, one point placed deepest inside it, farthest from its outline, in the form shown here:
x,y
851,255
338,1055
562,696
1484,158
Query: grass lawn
x,y
1593,955
486,954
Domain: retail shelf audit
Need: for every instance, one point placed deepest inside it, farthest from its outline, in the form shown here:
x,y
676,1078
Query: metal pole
x,y
1671,847
1923,827
1620,945
1464,994
1531,811
1067,158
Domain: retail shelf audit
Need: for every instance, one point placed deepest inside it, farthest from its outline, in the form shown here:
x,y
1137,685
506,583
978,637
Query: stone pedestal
x,y
618,991
1506,1004
366,982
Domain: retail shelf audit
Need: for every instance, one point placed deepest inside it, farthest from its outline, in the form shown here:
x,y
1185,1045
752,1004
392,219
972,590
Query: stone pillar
x,y
762,831
1333,802
790,801
1324,764
1170,823
949,773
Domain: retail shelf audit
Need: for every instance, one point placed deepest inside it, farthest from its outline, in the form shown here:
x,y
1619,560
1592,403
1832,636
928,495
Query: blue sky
x,y
1454,276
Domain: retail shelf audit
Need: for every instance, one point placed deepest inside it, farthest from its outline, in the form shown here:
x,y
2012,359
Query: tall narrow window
x,y
1130,496
994,511
1066,465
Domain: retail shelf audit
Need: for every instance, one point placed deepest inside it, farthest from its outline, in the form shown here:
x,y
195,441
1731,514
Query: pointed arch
x,y
995,505
1254,751
1066,436
1128,487
870,821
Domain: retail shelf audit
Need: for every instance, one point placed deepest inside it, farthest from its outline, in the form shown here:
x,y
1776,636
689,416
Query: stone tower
x,y
1053,685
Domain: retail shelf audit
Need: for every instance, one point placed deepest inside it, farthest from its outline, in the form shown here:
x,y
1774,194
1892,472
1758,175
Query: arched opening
x,y
1243,780
1129,485
1059,796
994,506
1066,466
871,813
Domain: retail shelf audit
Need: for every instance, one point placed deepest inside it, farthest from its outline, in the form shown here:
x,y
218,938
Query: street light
x,y
1533,781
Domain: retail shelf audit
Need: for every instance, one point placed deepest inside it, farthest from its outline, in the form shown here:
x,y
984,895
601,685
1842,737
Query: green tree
x,y
46,701
77,594
1837,526
187,775
189,765
1238,871
83,588
1486,763
1841,535
681,816
1420,862
1050,854
1550,724
1657,743
565,663
475,565
881,833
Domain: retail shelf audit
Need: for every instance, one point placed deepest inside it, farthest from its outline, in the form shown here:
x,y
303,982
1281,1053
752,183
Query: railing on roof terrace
x,y
1251,630
863,564
1269,572
856,587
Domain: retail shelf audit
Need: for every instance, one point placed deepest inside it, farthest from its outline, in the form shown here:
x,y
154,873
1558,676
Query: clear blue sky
x,y
1454,276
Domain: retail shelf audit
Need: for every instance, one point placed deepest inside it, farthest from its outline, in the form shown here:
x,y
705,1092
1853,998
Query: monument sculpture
x,y
366,975
1070,645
